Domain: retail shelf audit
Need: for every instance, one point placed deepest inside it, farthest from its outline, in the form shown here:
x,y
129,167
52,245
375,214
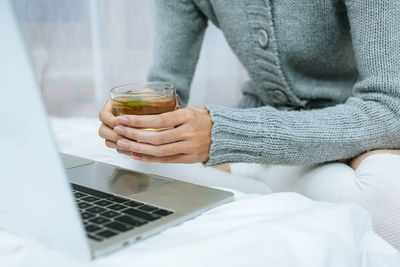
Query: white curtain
x,y
80,49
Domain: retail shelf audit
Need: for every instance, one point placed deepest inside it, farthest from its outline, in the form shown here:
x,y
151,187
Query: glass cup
x,y
144,99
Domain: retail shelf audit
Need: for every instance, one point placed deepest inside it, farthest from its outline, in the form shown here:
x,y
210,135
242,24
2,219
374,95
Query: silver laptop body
x,y
36,197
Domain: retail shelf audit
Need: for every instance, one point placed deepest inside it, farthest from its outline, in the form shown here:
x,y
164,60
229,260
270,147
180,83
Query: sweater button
x,y
263,38
280,96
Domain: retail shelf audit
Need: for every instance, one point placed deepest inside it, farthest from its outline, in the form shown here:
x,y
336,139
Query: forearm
x,y
271,136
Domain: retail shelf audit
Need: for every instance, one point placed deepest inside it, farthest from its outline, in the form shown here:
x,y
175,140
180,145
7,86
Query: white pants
x,y
375,185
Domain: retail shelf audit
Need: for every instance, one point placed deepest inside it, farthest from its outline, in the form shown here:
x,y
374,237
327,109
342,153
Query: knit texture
x,y
326,86
375,185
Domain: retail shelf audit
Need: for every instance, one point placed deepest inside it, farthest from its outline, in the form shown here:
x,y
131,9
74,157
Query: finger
x,y
114,145
180,158
164,120
108,133
106,115
128,153
178,105
153,150
153,137
110,144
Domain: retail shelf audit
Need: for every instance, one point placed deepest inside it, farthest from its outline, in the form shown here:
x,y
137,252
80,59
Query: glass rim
x,y
113,89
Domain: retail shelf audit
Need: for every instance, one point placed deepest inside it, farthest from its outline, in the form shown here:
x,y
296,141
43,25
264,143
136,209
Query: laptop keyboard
x,y
106,215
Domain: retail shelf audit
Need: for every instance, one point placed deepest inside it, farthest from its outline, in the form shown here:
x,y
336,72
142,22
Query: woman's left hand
x,y
188,141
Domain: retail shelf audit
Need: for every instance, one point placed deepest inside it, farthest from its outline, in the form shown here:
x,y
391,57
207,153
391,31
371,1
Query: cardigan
x,y
325,75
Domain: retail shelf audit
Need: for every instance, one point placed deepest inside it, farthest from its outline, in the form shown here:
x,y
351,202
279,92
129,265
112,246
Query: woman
x,y
325,86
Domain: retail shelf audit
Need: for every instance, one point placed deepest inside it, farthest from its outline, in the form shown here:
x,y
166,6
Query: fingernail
x,y
123,143
122,120
120,130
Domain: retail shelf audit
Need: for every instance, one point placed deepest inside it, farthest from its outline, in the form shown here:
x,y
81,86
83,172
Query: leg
x,y
375,185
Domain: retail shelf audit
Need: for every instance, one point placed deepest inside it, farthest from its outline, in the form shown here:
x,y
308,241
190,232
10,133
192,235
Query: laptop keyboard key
x,y
103,203
141,214
89,199
117,199
96,210
99,220
110,214
91,191
106,233
94,237
84,205
133,204
92,228
79,195
163,212
117,207
147,208
119,226
86,215
131,220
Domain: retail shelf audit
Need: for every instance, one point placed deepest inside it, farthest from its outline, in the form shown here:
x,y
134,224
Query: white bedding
x,y
283,229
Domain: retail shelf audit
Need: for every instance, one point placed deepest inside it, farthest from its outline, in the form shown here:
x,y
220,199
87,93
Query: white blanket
x,y
283,229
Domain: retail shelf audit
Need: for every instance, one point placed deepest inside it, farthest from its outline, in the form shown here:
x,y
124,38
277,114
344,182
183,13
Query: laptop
x,y
78,206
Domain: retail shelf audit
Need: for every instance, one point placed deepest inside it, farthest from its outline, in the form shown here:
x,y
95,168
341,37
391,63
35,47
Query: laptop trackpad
x,y
112,179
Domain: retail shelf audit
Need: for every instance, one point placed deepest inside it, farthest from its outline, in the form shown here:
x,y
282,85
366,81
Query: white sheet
x,y
283,229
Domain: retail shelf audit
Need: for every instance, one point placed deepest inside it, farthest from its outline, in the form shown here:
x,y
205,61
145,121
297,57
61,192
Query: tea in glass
x,y
144,99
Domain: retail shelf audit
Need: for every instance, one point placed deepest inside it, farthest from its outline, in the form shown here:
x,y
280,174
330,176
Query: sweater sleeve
x,y
370,119
179,32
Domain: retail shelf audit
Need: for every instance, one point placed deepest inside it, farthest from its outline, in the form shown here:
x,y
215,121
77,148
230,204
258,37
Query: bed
x,y
256,229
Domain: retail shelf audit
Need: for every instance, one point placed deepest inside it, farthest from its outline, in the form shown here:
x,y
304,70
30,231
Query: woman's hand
x,y
188,141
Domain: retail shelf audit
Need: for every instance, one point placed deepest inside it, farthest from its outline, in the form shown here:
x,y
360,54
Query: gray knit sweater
x,y
325,75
